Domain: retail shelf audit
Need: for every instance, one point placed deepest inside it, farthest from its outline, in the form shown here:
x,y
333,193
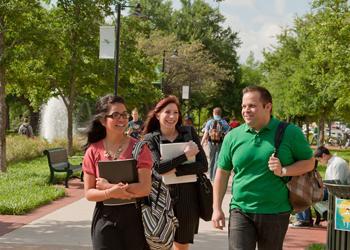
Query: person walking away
x,y
259,208
314,134
234,123
26,129
214,132
135,126
114,227
188,121
164,126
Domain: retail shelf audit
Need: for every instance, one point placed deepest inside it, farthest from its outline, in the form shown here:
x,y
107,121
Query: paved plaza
x,y
68,228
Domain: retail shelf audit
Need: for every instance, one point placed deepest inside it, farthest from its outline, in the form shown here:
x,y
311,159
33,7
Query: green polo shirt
x,y
255,188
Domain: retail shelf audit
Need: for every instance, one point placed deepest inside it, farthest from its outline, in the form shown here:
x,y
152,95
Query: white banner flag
x,y
107,42
185,92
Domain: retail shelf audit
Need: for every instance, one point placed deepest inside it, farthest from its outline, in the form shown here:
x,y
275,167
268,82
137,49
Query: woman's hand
x,y
102,184
191,150
119,191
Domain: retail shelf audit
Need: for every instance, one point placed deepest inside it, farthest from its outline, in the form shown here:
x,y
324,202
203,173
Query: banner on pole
x,y
107,42
185,92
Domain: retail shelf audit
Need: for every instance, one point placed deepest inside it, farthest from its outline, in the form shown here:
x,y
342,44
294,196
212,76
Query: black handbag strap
x,y
278,139
279,135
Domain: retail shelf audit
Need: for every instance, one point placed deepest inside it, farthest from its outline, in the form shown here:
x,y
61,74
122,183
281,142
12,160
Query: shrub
x,y
21,148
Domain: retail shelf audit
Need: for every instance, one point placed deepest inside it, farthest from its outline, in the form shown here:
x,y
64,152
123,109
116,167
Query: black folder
x,y
118,171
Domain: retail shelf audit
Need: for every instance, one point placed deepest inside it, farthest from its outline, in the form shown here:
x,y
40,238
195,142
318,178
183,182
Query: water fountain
x,y
53,121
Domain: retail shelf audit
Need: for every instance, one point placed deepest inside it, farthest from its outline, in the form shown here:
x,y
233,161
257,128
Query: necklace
x,y
113,154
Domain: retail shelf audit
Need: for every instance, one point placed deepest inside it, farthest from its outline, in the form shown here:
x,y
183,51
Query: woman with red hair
x,y
164,125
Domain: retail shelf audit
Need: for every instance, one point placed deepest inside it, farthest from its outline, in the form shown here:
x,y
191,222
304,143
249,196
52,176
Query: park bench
x,y
58,162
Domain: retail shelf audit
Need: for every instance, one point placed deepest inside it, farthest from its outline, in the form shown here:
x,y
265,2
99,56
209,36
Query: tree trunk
x,y
2,104
7,115
70,128
2,120
321,132
329,128
34,121
307,131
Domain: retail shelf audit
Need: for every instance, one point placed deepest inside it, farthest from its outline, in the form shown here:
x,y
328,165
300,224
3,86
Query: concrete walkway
x,y
68,228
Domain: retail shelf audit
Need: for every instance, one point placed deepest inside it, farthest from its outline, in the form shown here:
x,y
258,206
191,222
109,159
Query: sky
x,y
258,21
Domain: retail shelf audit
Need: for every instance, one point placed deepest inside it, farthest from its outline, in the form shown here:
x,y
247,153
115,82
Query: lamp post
x,y
118,9
174,55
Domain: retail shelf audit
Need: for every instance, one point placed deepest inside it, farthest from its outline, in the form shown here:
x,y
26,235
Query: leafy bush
x,y
21,148
317,247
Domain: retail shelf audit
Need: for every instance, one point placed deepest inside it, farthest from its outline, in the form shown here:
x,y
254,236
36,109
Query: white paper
x,y
172,150
107,42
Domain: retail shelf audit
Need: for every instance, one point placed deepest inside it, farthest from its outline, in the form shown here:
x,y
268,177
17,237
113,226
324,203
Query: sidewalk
x,y
65,225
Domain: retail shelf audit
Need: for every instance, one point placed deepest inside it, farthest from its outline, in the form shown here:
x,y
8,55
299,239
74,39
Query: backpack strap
x,y
137,149
279,135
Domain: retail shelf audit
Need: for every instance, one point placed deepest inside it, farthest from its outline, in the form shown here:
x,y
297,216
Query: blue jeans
x,y
266,231
214,150
304,216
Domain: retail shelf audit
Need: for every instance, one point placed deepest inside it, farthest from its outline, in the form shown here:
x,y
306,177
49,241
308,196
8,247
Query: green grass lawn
x,y
26,186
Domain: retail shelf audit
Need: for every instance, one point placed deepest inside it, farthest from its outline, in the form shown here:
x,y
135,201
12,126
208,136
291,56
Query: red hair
x,y
152,123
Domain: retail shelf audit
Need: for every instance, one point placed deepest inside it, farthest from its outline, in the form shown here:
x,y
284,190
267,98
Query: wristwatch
x,y
283,171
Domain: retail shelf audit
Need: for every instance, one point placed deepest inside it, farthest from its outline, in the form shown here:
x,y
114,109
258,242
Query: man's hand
x,y
218,219
275,165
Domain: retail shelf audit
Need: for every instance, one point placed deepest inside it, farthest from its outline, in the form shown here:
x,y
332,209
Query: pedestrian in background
x,y
135,126
26,129
214,131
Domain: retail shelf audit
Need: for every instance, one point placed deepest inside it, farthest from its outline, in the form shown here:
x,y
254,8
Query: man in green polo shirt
x,y
259,208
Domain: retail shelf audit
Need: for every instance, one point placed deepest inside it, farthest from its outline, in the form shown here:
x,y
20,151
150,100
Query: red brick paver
x,y
9,223
301,238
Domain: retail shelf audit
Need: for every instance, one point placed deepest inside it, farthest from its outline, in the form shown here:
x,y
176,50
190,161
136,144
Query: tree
x,y
193,66
307,70
76,70
18,28
196,21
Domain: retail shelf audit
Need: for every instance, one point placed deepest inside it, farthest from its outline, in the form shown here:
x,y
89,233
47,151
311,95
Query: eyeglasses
x,y
117,115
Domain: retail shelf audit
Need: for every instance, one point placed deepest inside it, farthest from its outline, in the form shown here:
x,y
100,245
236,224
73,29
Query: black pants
x,y
117,228
266,231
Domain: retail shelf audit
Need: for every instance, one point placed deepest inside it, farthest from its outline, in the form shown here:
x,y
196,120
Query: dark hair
x,y
217,110
265,95
152,123
96,131
320,151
